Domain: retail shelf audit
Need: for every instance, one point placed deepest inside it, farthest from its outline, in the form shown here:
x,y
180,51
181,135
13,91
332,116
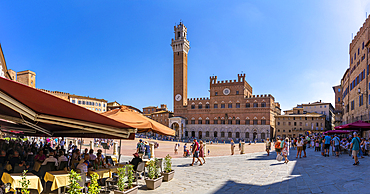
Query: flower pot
x,y
153,183
133,190
168,176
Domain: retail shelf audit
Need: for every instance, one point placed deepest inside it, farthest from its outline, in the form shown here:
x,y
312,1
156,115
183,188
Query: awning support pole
x,y
119,151
81,145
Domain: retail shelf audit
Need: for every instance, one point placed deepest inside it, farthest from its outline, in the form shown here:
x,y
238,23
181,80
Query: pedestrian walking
x,y
304,147
327,139
147,150
195,151
185,151
232,147
285,150
336,142
299,147
201,151
268,146
176,148
140,148
355,147
277,146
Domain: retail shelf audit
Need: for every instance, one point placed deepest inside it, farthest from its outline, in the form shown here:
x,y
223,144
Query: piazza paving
x,y
259,173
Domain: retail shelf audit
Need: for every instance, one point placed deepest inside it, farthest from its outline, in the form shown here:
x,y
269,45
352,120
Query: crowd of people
x,y
337,144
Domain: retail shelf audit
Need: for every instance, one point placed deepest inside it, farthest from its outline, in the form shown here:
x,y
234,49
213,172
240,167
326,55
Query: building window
x,y
200,106
289,123
229,134
216,93
237,105
186,134
73,101
249,105
237,122
192,122
222,105
338,99
99,104
237,135
215,134
215,106
305,118
263,122
352,105
263,136
222,134
255,104
361,102
295,123
207,122
79,102
300,123
215,122
186,122
278,123
247,122
255,122
246,135
230,122
192,106
229,105
263,104
237,92
223,122
207,106
207,133
199,122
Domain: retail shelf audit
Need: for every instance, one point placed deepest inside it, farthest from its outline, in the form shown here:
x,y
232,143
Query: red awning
x,y
47,115
355,125
337,132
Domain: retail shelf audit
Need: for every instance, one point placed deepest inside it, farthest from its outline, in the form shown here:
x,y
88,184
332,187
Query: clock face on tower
x,y
226,91
178,97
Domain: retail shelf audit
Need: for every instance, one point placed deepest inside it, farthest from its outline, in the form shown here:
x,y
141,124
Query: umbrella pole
x,y
81,145
119,151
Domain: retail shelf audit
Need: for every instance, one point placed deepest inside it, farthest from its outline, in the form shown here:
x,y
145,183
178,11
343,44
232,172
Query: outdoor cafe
x,y
32,116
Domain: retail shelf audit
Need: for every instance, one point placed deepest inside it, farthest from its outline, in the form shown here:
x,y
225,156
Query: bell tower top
x,y
180,43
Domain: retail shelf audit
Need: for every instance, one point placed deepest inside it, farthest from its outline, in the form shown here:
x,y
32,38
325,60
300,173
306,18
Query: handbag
x,y
279,157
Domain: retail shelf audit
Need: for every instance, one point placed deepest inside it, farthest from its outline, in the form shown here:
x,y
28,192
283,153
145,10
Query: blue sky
x,y
120,50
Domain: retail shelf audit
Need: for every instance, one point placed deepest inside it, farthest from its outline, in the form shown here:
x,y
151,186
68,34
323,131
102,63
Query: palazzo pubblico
x,y
231,111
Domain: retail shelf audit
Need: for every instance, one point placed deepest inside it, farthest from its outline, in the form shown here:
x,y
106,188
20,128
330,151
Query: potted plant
x,y
168,173
94,187
126,175
25,183
154,180
74,186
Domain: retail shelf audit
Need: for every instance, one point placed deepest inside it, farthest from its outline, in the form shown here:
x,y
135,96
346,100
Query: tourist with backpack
x,y
195,151
355,147
140,148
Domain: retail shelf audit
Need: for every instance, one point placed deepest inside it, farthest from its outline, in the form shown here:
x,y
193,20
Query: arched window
x,y
229,134
207,133
263,135
215,134
237,135
193,134
247,135
222,134
263,104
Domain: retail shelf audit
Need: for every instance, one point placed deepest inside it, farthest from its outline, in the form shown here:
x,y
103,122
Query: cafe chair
x,y
140,168
52,166
19,169
63,165
108,160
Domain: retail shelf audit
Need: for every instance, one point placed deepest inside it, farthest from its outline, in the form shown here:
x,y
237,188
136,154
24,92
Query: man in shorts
x,y
195,151
277,146
327,145
355,147
336,142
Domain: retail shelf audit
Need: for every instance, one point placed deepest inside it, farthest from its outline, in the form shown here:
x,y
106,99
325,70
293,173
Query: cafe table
x,y
59,178
102,173
14,179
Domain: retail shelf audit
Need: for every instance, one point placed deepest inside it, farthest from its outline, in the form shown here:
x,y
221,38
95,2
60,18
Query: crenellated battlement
x,y
197,99
364,26
260,96
54,92
213,80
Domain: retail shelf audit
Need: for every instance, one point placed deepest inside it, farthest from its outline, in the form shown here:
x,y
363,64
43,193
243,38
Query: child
x,y
208,152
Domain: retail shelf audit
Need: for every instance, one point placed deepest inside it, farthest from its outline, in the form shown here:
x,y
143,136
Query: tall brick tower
x,y
180,47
